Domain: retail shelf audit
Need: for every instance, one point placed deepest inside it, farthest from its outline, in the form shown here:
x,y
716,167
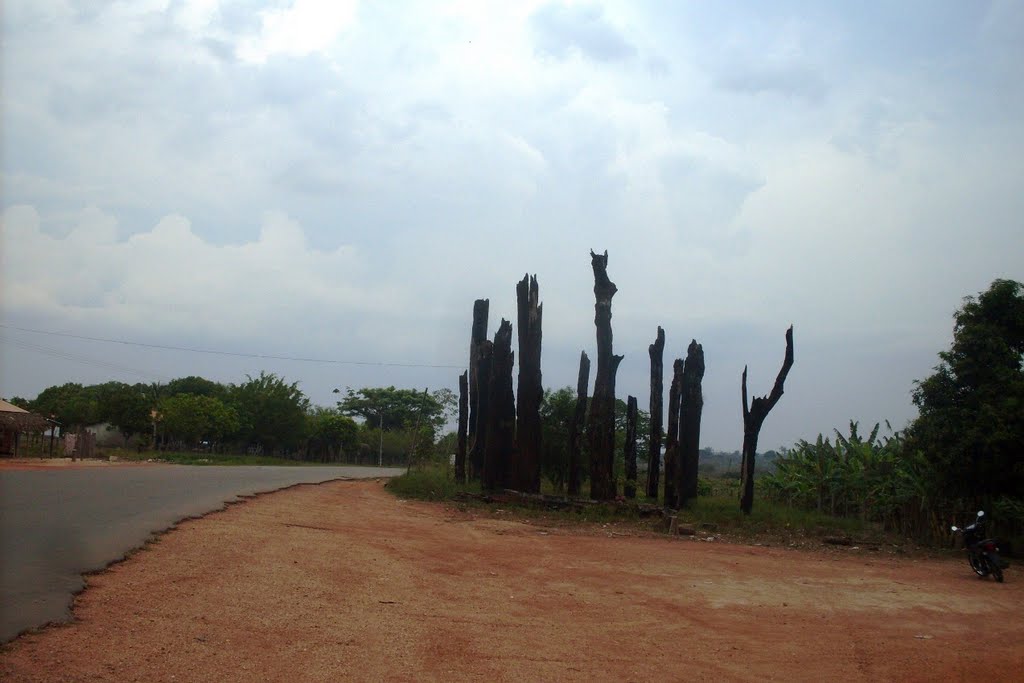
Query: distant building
x,y
107,436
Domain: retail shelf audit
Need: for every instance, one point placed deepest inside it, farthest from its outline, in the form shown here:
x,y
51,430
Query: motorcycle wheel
x,y
979,565
996,572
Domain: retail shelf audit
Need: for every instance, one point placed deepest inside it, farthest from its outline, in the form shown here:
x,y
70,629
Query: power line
x,y
85,360
237,354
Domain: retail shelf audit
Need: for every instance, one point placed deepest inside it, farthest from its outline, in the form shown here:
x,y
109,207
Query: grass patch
x,y
436,483
428,483
716,514
770,518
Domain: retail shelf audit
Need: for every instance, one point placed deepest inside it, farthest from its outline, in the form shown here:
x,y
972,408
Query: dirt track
x,y
342,581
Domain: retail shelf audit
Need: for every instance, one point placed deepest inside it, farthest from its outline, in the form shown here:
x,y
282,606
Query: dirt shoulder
x,y
29,464
343,581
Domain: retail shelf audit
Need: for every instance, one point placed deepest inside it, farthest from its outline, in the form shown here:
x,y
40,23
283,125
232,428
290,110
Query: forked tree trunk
x,y
501,414
531,390
460,452
691,405
601,423
629,450
477,396
753,418
657,353
672,436
576,425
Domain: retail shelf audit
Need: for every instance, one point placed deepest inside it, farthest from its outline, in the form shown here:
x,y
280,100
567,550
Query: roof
x,y
20,420
6,407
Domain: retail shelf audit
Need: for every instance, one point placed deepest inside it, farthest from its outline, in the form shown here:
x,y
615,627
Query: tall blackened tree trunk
x,y
477,396
753,418
601,423
485,357
531,390
576,426
501,414
629,450
691,405
657,352
672,437
460,452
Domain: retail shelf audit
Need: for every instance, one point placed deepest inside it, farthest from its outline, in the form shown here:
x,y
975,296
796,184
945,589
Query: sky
x,y
338,181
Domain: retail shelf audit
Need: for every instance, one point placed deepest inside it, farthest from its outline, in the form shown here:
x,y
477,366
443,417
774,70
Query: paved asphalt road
x,y
57,524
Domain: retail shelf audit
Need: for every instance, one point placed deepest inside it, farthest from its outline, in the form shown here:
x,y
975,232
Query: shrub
x,y
425,483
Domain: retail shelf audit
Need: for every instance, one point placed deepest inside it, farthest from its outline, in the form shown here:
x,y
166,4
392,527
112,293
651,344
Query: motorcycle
x,y
982,553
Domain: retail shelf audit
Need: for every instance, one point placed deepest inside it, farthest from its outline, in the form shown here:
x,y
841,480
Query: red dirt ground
x,y
342,581
42,464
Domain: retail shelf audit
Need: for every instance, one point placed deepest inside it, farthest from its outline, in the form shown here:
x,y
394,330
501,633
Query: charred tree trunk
x,y
629,451
531,390
576,426
477,396
691,405
672,437
753,418
485,358
501,414
460,452
657,352
601,423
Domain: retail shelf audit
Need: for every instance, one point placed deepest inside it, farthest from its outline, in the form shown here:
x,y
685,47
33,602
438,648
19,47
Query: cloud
x,y
196,16
307,26
560,30
783,56
787,80
168,279
683,186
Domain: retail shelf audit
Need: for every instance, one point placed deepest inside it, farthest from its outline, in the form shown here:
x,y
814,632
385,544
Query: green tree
x,y
190,419
125,407
72,405
182,418
391,447
197,386
272,412
398,408
971,421
556,411
153,392
331,434
445,447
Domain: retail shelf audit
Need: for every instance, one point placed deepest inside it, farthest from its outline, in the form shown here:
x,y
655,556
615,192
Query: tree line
x,y
265,414
268,414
